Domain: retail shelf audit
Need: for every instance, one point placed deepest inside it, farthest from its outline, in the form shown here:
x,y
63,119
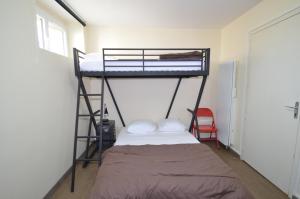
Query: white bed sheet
x,y
157,138
97,65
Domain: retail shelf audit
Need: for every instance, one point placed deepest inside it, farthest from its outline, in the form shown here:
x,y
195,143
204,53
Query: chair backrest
x,y
205,112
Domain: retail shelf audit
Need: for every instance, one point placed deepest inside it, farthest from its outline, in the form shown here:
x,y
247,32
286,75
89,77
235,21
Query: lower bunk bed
x,y
164,165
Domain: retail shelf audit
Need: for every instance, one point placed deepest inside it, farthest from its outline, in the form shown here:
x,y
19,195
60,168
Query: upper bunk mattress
x,y
94,62
157,138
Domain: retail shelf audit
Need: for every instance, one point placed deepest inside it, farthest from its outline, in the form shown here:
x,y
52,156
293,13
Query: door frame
x,y
295,178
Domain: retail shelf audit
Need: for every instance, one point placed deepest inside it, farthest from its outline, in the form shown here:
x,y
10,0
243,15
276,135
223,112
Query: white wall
x,y
234,45
37,107
150,98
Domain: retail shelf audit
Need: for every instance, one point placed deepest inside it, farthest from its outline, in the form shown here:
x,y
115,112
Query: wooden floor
x,y
256,184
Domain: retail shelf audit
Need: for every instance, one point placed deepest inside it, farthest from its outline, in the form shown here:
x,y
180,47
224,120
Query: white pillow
x,y
171,125
93,57
141,127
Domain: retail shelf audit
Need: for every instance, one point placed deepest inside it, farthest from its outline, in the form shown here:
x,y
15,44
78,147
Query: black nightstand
x,y
109,134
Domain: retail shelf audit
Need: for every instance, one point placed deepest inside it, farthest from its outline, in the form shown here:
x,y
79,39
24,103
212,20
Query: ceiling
x,y
161,13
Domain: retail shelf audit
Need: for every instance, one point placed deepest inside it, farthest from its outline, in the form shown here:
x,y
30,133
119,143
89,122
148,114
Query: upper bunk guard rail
x,y
142,57
77,55
146,62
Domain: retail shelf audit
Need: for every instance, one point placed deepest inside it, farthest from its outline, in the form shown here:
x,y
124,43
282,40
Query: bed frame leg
x,y
115,102
81,87
198,100
173,98
75,139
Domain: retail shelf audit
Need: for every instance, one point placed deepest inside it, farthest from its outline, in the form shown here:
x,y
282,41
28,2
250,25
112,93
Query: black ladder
x,y
81,92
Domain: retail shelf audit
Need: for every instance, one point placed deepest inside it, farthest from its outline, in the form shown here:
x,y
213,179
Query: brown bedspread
x,y
182,56
166,171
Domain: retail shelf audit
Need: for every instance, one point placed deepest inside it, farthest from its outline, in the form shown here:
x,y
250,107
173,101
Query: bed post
x,y
115,102
100,131
198,100
80,88
173,98
75,139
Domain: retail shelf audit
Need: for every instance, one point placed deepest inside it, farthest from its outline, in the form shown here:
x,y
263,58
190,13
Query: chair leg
x,y
217,140
198,136
195,133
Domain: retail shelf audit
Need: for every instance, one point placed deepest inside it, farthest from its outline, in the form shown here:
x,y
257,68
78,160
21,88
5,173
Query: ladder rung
x,y
86,159
97,136
88,115
90,94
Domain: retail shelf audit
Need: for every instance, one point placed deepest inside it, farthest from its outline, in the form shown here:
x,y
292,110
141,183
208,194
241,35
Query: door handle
x,y
295,108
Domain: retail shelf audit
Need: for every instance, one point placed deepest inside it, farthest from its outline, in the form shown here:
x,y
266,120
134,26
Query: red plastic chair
x,y
206,129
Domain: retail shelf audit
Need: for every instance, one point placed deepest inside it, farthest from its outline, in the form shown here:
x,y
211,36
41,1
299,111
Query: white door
x,y
273,82
225,94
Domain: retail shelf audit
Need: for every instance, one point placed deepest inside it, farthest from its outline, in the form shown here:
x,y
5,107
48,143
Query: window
x,y
51,36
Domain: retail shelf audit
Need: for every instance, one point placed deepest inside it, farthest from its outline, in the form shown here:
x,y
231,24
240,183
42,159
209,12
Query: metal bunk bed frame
x,y
106,74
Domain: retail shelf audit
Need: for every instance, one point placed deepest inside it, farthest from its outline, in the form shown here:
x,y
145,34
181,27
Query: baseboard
x,y
295,196
59,182
234,150
53,189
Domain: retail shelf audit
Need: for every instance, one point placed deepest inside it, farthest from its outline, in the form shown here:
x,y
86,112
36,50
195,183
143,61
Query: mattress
x,y
94,62
158,138
175,171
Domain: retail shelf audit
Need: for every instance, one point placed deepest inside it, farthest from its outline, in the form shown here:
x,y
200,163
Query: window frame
x,y
43,36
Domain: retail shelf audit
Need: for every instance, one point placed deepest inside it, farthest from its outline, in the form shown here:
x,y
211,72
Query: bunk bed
x,y
120,176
